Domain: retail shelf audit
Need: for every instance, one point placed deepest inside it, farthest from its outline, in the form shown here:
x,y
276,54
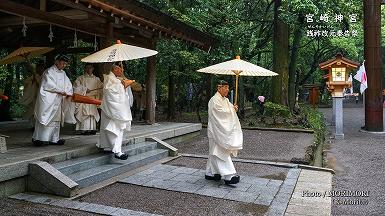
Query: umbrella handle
x,y
236,89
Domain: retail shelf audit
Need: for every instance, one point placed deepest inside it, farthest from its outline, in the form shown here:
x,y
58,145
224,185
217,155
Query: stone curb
x,y
298,130
278,164
282,199
76,205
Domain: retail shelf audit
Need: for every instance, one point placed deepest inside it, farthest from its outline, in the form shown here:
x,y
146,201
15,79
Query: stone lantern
x,y
338,74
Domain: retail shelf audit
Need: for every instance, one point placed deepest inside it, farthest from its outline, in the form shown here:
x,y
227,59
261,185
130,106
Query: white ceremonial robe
x,y
225,136
30,92
87,114
53,109
116,113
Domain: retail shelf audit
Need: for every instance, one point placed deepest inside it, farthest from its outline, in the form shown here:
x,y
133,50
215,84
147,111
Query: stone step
x,y
115,167
83,163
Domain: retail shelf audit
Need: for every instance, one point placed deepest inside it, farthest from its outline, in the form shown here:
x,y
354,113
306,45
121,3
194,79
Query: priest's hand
x,y
236,108
64,94
127,82
124,84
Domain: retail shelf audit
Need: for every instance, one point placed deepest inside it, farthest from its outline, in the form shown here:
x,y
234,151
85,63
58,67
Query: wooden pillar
x,y
373,62
151,86
105,68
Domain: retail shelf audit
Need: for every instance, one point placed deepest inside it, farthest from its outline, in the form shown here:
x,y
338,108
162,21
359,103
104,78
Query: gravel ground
x,y
258,145
11,207
359,162
248,169
165,202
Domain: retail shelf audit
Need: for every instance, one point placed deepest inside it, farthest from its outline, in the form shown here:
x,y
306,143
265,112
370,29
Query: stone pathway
x,y
359,164
302,192
268,192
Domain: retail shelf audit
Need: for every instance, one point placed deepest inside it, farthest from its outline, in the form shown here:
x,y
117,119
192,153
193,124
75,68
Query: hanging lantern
x,y
24,29
75,39
50,35
95,44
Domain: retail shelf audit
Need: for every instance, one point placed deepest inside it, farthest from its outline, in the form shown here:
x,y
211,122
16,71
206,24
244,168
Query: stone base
x,y
372,132
339,136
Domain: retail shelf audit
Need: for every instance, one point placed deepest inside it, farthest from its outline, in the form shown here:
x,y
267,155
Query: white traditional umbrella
x,y
238,68
119,52
24,54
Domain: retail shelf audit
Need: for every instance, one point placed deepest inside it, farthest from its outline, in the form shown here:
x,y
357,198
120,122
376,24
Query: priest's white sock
x,y
119,154
228,177
209,174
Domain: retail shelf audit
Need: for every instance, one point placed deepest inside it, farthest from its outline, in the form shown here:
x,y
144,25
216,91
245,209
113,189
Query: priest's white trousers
x,y
219,161
88,124
110,136
48,133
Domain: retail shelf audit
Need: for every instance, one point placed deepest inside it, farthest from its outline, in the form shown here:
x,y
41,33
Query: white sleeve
x,y
130,96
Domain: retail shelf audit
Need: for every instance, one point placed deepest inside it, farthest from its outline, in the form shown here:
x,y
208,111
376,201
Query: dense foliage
x,y
242,27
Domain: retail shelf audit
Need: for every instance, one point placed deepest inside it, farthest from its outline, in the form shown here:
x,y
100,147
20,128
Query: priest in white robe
x,y
30,91
53,105
87,115
116,113
225,136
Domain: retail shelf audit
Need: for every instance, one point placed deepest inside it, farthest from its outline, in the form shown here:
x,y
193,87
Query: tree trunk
x,y
280,58
293,63
105,42
372,52
171,97
151,86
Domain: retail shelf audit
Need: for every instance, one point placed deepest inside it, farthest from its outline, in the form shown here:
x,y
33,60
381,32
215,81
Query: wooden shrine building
x,y
103,21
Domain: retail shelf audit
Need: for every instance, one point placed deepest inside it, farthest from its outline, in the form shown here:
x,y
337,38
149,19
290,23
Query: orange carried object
x,y
3,97
77,98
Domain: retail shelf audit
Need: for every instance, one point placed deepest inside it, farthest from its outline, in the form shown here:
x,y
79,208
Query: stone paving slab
x,y
97,208
187,187
307,198
76,205
159,183
186,178
241,186
189,180
217,192
241,196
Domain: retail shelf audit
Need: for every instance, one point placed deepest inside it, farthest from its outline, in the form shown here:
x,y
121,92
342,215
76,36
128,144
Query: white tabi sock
x,y
228,177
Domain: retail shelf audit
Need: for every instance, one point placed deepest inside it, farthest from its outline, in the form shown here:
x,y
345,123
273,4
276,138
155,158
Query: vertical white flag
x,y
362,78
